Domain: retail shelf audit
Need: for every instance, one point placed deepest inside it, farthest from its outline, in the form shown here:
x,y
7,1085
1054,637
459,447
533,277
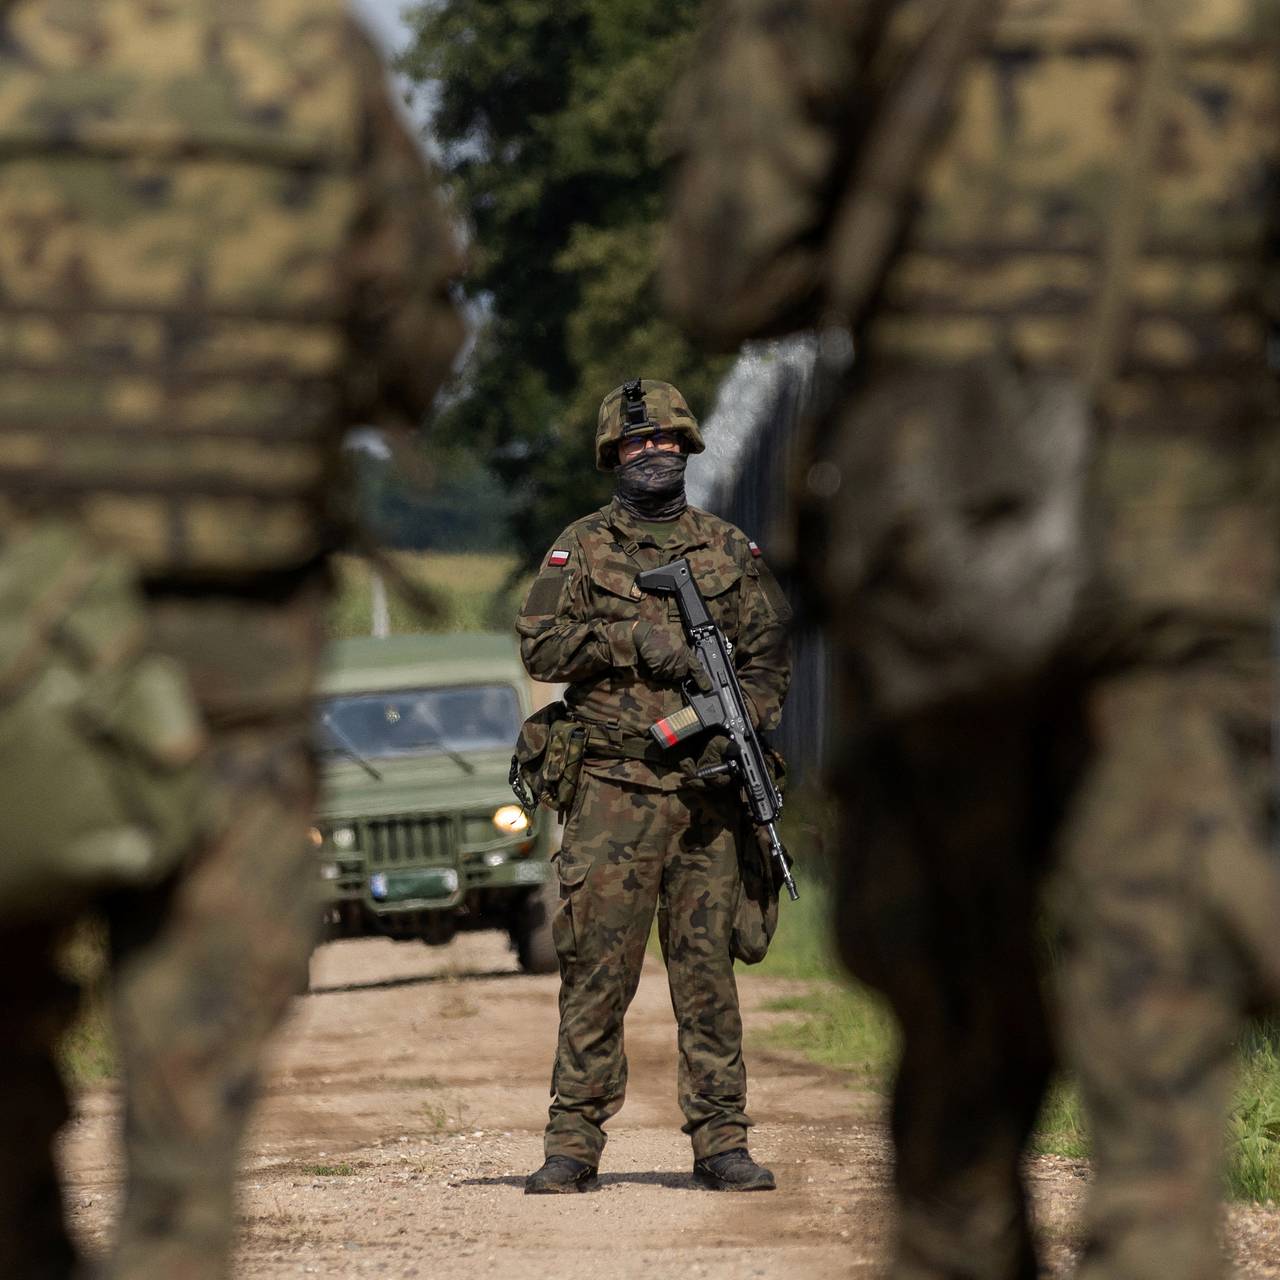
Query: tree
x,y
549,116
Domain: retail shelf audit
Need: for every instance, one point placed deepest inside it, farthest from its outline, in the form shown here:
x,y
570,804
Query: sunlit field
x,y
473,591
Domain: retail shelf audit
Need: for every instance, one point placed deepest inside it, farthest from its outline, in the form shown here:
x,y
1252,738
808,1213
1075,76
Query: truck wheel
x,y
532,934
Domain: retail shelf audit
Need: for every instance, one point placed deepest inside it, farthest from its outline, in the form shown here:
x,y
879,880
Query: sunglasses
x,y
664,440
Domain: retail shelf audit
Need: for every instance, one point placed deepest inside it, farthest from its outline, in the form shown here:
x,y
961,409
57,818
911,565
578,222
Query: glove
x,y
712,756
663,652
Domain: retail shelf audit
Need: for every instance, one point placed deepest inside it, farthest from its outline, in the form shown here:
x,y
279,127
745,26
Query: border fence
x,y
743,477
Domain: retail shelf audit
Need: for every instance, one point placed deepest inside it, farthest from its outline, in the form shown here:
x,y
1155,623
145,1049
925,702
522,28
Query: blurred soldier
x,y
220,247
1049,227
640,827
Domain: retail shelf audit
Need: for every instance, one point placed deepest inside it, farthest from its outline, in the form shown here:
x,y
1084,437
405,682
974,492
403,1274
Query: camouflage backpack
x,y
180,186
101,744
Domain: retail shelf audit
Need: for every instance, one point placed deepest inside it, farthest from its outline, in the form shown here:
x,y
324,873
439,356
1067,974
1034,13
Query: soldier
x,y
221,247
1076,248
640,828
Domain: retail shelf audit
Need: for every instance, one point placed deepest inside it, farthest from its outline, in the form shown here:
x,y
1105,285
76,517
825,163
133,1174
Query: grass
x,y
87,1055
842,1024
342,1170
475,592
1254,1129
1061,1130
449,1116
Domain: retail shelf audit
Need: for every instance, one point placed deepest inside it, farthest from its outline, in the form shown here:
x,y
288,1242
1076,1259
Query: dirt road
x,y
405,1104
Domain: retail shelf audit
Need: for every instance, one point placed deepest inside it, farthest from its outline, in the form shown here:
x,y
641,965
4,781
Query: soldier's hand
x,y
663,652
712,757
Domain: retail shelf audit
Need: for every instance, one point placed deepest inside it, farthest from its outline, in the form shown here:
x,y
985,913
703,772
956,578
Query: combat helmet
x,y
664,409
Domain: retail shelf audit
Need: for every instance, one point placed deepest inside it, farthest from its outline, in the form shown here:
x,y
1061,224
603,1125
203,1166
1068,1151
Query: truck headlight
x,y
316,836
511,820
330,871
343,838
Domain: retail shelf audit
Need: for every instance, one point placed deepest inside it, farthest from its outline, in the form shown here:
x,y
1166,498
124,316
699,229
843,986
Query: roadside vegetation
x,y
476,591
86,1052
843,1025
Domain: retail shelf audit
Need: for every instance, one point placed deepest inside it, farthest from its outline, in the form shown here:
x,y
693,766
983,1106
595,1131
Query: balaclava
x,y
651,485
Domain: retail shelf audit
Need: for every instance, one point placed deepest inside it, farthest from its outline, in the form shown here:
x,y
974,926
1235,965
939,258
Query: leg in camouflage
x,y
699,891
38,1006
940,916
205,968
624,845
1170,902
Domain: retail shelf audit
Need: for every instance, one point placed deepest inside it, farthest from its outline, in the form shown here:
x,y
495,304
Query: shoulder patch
x,y
754,548
558,559
544,595
773,592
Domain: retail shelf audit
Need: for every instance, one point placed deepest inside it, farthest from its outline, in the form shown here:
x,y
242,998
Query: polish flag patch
x,y
558,559
755,549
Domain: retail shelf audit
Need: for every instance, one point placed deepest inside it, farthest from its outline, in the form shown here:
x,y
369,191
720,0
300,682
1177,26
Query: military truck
x,y
418,835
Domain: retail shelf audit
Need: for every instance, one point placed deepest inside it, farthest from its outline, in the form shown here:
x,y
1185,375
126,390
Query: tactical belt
x,y
604,742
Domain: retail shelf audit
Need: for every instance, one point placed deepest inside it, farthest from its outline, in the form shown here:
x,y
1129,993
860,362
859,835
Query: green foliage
x,y
1061,1128
87,1053
844,1025
463,508
1254,1132
548,117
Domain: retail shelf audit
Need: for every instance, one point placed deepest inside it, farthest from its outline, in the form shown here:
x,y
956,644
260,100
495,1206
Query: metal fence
x,y
743,478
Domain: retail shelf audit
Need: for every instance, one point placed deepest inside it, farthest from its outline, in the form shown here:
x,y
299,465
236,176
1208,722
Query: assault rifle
x,y
721,711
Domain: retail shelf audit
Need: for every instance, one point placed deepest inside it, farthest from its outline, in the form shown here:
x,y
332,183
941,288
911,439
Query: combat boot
x,y
560,1174
732,1171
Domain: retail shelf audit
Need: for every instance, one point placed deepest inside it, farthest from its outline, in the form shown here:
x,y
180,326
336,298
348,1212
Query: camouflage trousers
x,y
625,848
1148,794
201,968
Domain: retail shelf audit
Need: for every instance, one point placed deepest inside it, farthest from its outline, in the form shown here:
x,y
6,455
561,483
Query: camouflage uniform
x,y
1106,163
641,828
220,247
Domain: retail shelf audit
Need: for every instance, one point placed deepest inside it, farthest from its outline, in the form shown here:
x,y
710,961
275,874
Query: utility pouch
x,y
102,769
755,918
548,758
958,544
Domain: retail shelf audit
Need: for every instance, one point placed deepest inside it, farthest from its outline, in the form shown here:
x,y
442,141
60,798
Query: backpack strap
x,y
1103,346
869,224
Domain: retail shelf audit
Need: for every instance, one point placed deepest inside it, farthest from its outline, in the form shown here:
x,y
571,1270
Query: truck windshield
x,y
404,722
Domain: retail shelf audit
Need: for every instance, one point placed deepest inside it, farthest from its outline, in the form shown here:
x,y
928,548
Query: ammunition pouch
x,y
755,916
548,758
102,775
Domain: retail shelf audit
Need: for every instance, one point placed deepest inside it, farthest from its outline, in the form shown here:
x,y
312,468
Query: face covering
x,y
651,486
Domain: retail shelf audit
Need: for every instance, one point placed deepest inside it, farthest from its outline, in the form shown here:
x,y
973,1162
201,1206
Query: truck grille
x,y
389,842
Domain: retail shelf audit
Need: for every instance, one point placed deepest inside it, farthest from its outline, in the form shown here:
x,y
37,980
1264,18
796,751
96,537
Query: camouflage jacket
x,y
1102,158
577,622
223,247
